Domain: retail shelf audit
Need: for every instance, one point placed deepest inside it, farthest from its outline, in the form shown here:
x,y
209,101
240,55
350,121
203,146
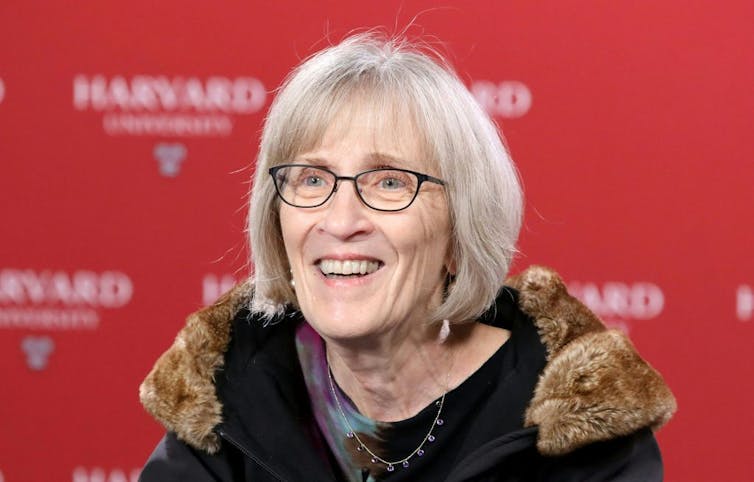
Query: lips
x,y
348,267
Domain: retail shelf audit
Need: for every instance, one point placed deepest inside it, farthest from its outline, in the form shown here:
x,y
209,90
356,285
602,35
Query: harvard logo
x,y
38,350
49,299
160,105
169,158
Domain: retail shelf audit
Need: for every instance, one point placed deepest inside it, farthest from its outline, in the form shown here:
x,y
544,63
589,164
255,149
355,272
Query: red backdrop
x,y
127,138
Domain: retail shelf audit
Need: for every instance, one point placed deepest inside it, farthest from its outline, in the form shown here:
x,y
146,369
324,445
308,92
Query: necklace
x,y
428,438
390,465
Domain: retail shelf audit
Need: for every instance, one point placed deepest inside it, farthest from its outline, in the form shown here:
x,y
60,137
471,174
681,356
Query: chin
x,y
345,325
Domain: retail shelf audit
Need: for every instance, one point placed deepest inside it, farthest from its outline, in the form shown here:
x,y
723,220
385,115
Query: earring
x,y
444,331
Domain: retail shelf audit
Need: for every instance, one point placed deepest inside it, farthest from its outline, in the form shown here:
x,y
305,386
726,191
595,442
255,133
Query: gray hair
x,y
460,140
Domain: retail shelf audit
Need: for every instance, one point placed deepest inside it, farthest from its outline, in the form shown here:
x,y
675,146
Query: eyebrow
x,y
373,160
314,161
379,159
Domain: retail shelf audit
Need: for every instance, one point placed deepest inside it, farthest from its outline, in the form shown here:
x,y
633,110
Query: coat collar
x,y
594,387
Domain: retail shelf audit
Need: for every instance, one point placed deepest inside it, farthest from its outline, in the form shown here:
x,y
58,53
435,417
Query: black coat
x,y
232,395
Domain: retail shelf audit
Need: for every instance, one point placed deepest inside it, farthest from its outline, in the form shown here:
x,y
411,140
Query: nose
x,y
345,216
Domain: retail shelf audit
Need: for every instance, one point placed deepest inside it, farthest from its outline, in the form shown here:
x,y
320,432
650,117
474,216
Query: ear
x,y
450,264
450,267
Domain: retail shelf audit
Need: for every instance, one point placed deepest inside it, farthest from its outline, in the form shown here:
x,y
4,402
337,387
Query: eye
x,y
391,180
313,181
311,177
391,183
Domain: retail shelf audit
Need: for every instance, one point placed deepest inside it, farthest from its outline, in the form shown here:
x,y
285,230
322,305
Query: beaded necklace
x,y
428,438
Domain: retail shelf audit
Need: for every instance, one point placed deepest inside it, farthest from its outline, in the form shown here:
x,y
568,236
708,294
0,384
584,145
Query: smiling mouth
x,y
335,268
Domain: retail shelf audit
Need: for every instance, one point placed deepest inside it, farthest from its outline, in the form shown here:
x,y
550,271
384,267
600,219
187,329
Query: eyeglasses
x,y
384,189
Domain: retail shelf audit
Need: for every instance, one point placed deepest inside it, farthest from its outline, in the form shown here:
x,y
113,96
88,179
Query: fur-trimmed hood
x,y
594,387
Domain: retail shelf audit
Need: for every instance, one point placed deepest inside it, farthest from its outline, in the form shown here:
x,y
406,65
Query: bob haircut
x,y
394,76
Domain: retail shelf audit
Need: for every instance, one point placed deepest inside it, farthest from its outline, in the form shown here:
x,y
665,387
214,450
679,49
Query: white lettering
x,y
744,302
48,318
88,93
143,95
167,125
98,474
115,289
641,301
508,98
219,93
248,95
242,95
194,94
80,92
119,94
110,289
168,99
213,287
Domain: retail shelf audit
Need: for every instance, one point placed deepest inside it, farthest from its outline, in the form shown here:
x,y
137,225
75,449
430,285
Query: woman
x,y
376,340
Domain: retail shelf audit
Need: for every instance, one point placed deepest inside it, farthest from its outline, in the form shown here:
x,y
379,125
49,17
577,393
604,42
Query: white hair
x,y
459,139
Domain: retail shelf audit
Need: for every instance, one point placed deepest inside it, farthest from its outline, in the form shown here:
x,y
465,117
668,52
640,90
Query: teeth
x,y
334,266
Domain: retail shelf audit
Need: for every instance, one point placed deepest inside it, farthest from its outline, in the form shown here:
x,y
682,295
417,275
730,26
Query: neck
x,y
393,378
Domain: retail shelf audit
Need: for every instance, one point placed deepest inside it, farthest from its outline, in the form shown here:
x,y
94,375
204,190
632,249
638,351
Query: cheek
x,y
434,224
290,231
429,238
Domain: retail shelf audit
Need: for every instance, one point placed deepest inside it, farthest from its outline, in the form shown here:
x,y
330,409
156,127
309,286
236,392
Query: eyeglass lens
x,y
384,189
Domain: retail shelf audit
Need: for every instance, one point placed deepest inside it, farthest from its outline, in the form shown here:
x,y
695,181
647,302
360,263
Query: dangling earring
x,y
444,331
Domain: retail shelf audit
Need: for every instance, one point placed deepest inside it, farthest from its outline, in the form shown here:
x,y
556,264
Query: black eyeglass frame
x,y
422,178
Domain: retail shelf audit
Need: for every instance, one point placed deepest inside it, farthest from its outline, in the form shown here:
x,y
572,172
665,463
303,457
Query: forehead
x,y
373,129
373,138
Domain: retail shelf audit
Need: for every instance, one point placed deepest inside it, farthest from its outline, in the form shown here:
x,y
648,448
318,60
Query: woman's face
x,y
405,252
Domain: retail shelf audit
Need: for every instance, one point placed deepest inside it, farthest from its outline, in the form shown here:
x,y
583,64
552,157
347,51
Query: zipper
x,y
253,457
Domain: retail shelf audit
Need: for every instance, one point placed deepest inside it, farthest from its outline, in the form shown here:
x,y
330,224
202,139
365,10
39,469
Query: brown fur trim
x,y
179,391
595,386
559,317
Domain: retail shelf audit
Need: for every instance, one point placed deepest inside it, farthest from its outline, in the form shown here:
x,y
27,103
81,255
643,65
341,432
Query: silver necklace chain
x,y
362,447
